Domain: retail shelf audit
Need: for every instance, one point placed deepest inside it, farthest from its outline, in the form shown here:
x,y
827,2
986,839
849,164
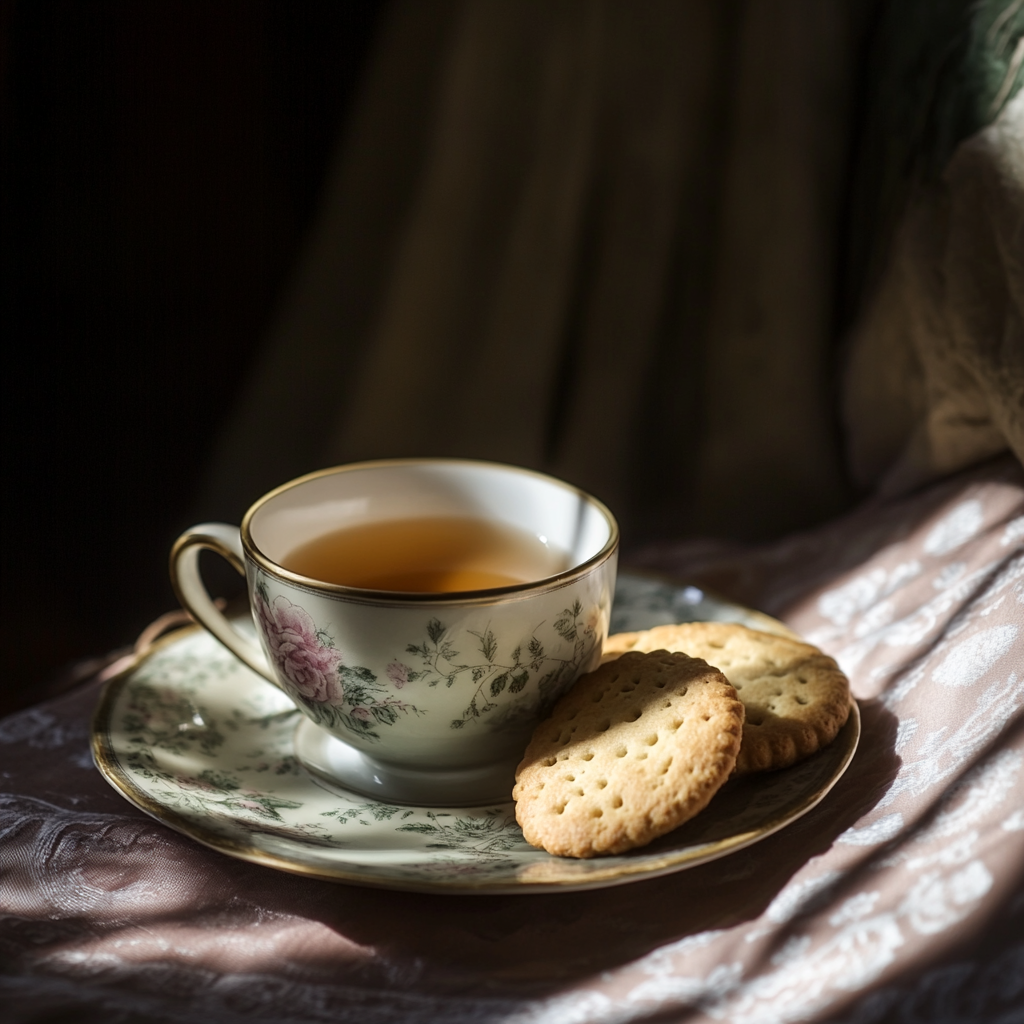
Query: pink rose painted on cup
x,y
298,651
399,674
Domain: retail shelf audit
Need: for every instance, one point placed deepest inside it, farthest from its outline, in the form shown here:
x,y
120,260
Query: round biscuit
x,y
633,750
796,697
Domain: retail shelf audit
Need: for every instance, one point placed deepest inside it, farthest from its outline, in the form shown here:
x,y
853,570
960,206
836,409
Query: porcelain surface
x,y
202,743
439,687
415,682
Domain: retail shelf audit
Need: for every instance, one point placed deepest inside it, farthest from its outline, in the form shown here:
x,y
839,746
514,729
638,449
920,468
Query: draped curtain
x,y
607,241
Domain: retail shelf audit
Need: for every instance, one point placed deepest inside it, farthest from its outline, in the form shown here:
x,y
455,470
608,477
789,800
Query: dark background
x,y
161,163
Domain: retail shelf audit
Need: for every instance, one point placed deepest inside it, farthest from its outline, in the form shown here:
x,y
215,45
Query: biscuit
x,y
634,749
796,698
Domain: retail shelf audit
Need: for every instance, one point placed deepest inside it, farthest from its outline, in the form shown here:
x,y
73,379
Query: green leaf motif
x,y
218,780
386,714
356,675
492,835
378,811
565,626
540,680
170,720
488,645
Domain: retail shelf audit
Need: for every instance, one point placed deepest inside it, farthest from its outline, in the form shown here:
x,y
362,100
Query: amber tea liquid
x,y
429,555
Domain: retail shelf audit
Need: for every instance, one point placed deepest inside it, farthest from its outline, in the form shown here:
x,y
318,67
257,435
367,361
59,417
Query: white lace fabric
x,y
899,898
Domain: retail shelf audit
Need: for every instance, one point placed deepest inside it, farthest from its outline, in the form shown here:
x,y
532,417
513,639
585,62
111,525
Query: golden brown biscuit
x,y
796,697
633,750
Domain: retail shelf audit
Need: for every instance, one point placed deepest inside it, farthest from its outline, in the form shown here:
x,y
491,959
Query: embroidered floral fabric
x,y
899,898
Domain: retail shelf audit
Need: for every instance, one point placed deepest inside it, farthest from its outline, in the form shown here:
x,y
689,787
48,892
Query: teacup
x,y
422,698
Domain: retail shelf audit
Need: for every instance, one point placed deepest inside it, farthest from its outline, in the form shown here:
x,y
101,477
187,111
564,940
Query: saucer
x,y
345,770
194,738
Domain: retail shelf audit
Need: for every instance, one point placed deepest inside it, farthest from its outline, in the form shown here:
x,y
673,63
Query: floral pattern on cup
x,y
490,674
301,653
308,661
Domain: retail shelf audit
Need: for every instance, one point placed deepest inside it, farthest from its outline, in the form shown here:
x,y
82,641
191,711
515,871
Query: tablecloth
x,y
899,898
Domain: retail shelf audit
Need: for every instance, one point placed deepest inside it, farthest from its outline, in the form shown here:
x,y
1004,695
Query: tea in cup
x,y
422,614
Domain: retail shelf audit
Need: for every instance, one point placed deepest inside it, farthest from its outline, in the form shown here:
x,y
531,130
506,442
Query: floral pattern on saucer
x,y
198,740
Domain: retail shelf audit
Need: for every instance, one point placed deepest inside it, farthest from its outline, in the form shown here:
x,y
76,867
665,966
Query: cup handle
x,y
188,585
